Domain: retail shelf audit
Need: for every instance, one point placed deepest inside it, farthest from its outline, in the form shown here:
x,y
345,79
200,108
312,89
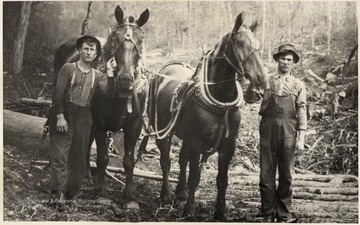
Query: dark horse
x,y
125,108
204,111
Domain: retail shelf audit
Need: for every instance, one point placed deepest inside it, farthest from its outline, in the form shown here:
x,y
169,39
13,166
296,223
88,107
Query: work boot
x,y
267,218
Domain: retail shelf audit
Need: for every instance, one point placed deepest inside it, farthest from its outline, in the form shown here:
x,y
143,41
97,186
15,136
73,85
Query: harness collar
x,y
201,82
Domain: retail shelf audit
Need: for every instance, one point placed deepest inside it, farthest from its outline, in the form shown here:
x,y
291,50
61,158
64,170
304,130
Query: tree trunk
x,y
264,28
329,29
19,42
290,20
189,25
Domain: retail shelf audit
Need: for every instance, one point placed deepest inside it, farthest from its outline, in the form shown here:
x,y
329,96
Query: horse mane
x,y
106,53
220,47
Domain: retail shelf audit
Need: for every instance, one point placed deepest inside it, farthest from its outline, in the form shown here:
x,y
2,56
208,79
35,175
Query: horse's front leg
x,y
165,162
132,131
226,152
181,187
88,179
102,161
193,180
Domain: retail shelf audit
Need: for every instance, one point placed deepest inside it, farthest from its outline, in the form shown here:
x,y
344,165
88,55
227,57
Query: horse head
x,y
246,59
125,44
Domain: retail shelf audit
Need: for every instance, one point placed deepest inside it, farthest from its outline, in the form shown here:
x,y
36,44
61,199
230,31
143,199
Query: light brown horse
x,y
204,111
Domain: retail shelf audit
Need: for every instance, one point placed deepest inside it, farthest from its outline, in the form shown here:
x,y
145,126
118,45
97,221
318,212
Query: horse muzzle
x,y
125,82
252,96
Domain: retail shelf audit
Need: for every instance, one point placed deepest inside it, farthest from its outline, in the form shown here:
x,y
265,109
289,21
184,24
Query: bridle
x,y
127,37
229,43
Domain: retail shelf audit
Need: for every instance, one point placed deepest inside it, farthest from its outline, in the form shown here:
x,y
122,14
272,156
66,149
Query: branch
x,y
315,76
86,22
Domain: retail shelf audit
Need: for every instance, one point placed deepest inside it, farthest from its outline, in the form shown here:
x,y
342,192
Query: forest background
x,y
324,32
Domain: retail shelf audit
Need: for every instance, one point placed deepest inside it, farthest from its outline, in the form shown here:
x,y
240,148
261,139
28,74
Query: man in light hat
x,y
282,134
70,121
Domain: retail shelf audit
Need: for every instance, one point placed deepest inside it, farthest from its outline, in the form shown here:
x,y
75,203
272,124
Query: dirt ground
x,y
317,199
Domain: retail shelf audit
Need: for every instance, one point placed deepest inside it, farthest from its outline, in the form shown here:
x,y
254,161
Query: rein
x,y
201,84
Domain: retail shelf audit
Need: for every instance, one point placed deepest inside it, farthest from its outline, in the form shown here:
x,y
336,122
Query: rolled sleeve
x,y
301,106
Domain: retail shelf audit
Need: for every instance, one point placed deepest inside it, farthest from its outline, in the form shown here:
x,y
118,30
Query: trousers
x,y
68,150
277,146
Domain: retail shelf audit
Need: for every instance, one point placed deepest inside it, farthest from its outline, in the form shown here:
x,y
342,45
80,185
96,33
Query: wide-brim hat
x,y
81,40
285,48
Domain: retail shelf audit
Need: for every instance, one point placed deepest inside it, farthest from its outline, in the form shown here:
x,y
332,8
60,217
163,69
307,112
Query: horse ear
x,y
253,26
239,21
143,18
119,15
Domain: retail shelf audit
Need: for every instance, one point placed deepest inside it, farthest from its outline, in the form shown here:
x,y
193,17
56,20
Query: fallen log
x,y
24,132
35,102
137,172
327,197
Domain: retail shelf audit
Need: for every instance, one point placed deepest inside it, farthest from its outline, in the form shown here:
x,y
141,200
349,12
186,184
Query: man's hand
x,y
61,124
110,67
140,84
299,148
300,143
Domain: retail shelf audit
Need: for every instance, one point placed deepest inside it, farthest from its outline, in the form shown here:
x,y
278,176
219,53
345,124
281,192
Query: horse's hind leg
x,y
226,152
165,162
102,161
181,188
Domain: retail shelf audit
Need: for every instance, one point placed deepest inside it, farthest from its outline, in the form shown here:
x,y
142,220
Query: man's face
x,y
88,51
286,62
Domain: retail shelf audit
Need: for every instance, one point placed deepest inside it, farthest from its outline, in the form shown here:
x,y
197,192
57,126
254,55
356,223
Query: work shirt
x,y
283,86
83,88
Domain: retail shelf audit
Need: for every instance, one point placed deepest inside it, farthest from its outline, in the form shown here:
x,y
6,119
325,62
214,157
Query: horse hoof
x,y
219,217
182,196
101,195
88,182
187,215
133,205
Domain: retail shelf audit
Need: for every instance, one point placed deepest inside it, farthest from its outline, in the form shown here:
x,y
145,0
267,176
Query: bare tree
x,y
264,27
329,28
20,36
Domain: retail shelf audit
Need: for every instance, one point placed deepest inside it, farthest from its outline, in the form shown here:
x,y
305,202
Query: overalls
x,y
277,144
68,150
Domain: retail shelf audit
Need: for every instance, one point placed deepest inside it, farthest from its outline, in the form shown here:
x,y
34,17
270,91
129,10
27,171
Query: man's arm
x,y
302,120
59,96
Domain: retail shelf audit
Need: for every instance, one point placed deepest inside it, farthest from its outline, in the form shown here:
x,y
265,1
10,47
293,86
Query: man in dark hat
x,y
70,121
282,134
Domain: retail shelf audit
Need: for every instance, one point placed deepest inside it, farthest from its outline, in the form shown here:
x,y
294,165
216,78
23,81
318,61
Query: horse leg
x,y
88,177
102,161
132,132
226,152
193,181
181,188
165,162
